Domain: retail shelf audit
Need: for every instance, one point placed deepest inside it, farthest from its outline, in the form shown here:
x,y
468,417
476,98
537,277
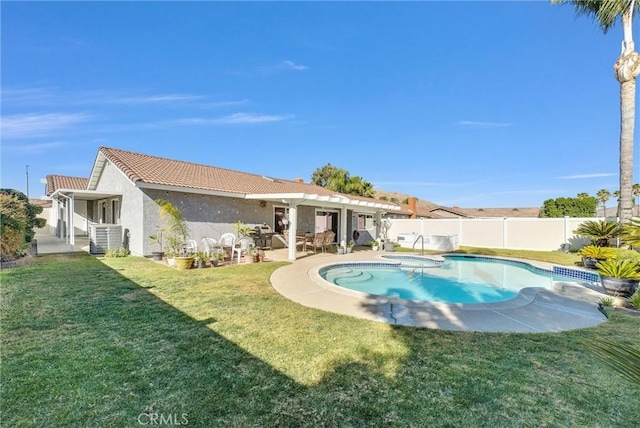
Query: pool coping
x,y
566,306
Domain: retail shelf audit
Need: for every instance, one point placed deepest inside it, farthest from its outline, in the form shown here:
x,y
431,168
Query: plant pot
x,y
349,250
619,286
157,256
388,246
184,263
374,248
590,262
202,264
340,250
215,262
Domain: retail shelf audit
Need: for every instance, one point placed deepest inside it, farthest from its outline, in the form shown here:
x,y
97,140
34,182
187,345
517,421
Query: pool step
x,y
347,275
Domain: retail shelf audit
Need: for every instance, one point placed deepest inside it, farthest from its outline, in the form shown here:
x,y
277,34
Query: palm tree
x,y
626,68
603,196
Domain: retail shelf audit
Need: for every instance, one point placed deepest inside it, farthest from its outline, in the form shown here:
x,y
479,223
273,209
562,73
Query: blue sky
x,y
469,104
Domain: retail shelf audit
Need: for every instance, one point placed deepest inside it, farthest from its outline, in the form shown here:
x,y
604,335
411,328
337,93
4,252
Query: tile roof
x,y
501,212
161,171
55,182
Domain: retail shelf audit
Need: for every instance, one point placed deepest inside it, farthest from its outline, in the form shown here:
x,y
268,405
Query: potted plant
x,y
156,239
243,229
350,246
619,277
592,254
217,258
174,230
251,254
374,245
599,231
201,259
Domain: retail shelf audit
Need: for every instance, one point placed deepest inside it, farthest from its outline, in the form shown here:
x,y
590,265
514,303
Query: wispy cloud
x,y
478,124
26,96
427,183
280,67
580,176
32,149
43,96
234,119
39,125
154,99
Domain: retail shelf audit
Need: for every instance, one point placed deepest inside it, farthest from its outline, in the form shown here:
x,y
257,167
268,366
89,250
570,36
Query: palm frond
x,y
624,359
604,12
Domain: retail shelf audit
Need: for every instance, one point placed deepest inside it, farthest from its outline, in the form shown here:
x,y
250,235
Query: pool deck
x,y
567,306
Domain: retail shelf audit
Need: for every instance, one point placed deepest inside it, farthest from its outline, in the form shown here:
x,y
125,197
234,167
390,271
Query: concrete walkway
x,y
566,306
49,244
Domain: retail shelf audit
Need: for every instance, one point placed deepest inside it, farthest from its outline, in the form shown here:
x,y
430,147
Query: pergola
x,y
340,202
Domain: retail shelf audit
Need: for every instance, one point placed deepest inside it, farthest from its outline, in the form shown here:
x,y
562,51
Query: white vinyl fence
x,y
545,234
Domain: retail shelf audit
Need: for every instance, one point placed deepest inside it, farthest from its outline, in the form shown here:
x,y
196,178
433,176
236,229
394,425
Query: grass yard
x,y
118,342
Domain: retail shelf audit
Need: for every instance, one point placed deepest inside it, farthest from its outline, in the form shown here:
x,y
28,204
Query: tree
x,y
636,193
571,207
603,196
31,211
339,180
626,68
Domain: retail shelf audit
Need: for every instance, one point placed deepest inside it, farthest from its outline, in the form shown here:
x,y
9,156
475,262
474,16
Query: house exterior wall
x,y
211,216
131,206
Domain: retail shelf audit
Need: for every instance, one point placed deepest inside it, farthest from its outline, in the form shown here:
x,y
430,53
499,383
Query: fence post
x,y
504,232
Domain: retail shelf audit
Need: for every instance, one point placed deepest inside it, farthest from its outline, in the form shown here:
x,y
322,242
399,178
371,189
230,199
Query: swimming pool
x,y
452,279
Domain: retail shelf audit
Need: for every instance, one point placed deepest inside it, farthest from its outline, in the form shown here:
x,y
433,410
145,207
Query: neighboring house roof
x,y
144,170
55,182
421,212
44,203
447,212
501,212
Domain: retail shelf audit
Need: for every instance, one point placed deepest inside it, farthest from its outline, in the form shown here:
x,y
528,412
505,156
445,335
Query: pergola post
x,y
293,226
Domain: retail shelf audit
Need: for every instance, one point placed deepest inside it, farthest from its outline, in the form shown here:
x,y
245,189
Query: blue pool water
x,y
456,279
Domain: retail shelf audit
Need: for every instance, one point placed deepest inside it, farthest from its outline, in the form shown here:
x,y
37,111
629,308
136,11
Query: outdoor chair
x,y
318,242
228,242
209,245
329,237
189,248
241,247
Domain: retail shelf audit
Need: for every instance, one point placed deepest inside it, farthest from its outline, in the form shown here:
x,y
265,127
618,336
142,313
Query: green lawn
x,y
98,342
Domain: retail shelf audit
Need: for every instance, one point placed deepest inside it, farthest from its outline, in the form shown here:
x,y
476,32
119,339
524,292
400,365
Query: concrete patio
x,y
566,306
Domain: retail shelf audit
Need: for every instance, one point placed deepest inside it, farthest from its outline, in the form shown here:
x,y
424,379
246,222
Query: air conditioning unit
x,y
104,237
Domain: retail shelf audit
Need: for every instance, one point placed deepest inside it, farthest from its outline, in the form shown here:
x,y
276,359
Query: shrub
x,y
600,231
120,252
595,252
13,223
619,268
635,300
631,233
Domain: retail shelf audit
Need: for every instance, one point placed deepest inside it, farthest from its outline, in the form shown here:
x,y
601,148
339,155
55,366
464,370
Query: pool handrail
x,y
414,244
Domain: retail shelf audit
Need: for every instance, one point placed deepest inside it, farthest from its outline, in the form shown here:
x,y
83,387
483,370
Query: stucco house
x,y
117,202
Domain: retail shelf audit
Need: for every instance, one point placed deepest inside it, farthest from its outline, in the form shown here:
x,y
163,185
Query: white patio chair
x,y
227,240
242,246
209,245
